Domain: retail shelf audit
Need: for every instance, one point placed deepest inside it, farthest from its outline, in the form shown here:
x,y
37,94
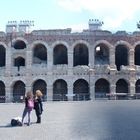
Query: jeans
x,y
26,111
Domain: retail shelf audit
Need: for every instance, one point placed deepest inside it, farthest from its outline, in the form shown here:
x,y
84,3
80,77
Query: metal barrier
x,y
60,97
20,99
2,98
81,97
77,97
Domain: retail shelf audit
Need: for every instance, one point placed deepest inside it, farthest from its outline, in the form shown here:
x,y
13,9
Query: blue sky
x,y
55,14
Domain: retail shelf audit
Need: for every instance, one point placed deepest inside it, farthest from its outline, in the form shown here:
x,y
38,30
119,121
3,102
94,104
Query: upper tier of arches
x,y
83,53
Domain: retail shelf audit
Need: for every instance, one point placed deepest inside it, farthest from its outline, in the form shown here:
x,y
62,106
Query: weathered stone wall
x,y
50,73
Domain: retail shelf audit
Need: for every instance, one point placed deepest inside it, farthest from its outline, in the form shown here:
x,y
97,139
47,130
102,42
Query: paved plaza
x,y
87,120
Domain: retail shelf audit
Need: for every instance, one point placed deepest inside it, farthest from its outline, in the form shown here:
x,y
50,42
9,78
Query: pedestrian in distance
x,y
38,105
29,105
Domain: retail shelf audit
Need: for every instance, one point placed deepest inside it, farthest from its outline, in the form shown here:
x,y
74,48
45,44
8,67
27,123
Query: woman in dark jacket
x,y
38,105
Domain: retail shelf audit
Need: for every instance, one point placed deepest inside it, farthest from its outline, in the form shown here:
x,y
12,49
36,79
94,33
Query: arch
x,y
60,42
19,44
101,54
60,90
102,87
18,91
19,61
33,45
124,43
2,92
39,54
121,56
136,55
2,56
81,55
81,90
137,86
42,86
80,42
60,55
122,88
105,42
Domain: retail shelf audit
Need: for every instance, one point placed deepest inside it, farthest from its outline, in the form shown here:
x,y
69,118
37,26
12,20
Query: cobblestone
x,y
87,120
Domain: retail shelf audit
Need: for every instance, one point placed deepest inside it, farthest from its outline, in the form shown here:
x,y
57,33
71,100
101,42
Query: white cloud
x,y
112,12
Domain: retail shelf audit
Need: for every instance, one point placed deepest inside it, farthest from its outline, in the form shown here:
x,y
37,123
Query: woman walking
x,y
38,105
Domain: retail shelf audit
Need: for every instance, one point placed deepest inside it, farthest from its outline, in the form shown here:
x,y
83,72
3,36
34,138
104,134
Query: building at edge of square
x,y
66,66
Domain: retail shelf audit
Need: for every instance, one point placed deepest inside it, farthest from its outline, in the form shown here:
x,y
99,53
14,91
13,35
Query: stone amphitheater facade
x,y
70,66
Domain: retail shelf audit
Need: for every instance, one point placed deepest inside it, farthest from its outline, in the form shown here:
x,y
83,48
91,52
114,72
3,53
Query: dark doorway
x,y
122,87
137,55
18,91
40,54
2,56
121,56
2,92
81,55
60,55
101,54
19,44
60,90
42,86
102,88
81,90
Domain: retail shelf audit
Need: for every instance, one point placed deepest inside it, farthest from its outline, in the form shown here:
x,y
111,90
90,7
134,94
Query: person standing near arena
x,y
29,105
38,105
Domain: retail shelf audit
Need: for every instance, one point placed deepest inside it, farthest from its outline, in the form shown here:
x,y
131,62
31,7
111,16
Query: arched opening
x,y
81,90
102,88
2,56
2,92
81,55
137,89
19,44
40,54
121,56
60,90
137,55
101,54
18,91
42,86
19,61
122,89
137,86
60,55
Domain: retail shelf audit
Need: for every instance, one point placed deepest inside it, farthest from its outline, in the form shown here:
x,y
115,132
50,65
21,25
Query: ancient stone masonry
x,y
88,65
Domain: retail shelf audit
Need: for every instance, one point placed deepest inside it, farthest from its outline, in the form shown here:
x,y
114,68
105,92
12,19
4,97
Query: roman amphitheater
x,y
69,66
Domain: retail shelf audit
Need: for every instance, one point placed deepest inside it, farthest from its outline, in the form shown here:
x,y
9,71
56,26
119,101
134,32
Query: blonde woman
x,y
38,105
29,104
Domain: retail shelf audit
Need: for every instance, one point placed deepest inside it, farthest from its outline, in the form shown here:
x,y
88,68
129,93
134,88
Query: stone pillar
x,y
112,62
113,92
9,95
50,61
132,90
92,92
8,61
113,89
70,62
131,58
91,74
49,92
28,88
50,74
91,57
28,63
70,94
